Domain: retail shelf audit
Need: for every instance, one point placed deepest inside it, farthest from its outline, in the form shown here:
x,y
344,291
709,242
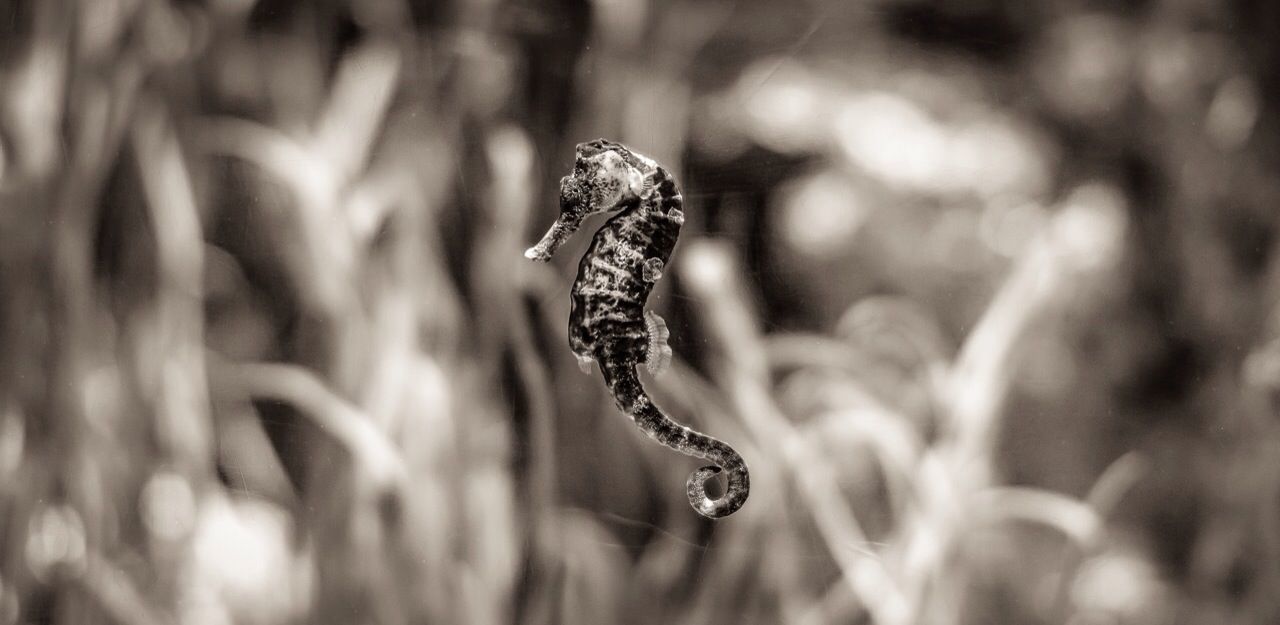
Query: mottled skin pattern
x,y
607,321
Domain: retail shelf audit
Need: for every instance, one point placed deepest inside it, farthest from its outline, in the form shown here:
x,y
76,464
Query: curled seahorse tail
x,y
631,397
733,497
688,441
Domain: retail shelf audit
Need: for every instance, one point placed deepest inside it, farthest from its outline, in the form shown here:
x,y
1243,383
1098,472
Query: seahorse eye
x,y
567,187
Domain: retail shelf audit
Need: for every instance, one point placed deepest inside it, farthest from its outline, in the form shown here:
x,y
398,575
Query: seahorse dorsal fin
x,y
584,362
647,185
659,356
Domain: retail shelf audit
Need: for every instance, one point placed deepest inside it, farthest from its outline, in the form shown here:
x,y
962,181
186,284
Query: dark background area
x,y
984,291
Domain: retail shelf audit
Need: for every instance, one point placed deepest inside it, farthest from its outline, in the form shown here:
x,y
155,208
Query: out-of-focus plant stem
x,y
710,272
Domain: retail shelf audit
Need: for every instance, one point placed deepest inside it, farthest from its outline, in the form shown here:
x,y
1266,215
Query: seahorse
x,y
607,320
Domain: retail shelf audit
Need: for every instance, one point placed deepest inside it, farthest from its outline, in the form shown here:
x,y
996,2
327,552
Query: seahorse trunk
x,y
633,400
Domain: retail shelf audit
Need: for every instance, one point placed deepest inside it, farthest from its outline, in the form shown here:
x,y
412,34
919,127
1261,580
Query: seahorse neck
x,y
664,197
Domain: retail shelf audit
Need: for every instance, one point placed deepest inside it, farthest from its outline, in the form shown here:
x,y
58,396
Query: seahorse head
x,y
606,176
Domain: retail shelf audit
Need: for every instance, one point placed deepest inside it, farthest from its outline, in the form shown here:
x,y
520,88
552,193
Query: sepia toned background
x,y
984,291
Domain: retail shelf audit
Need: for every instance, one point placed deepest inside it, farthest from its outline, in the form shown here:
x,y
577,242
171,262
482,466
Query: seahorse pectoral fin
x,y
651,270
584,362
647,186
658,357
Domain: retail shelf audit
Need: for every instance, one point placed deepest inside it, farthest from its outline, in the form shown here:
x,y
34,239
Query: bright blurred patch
x,y
13,435
1233,113
168,506
244,562
996,158
786,105
1085,67
1090,227
822,214
1120,586
893,139
55,541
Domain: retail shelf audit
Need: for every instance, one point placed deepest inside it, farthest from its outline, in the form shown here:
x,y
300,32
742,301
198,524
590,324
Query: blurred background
x,y
983,290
